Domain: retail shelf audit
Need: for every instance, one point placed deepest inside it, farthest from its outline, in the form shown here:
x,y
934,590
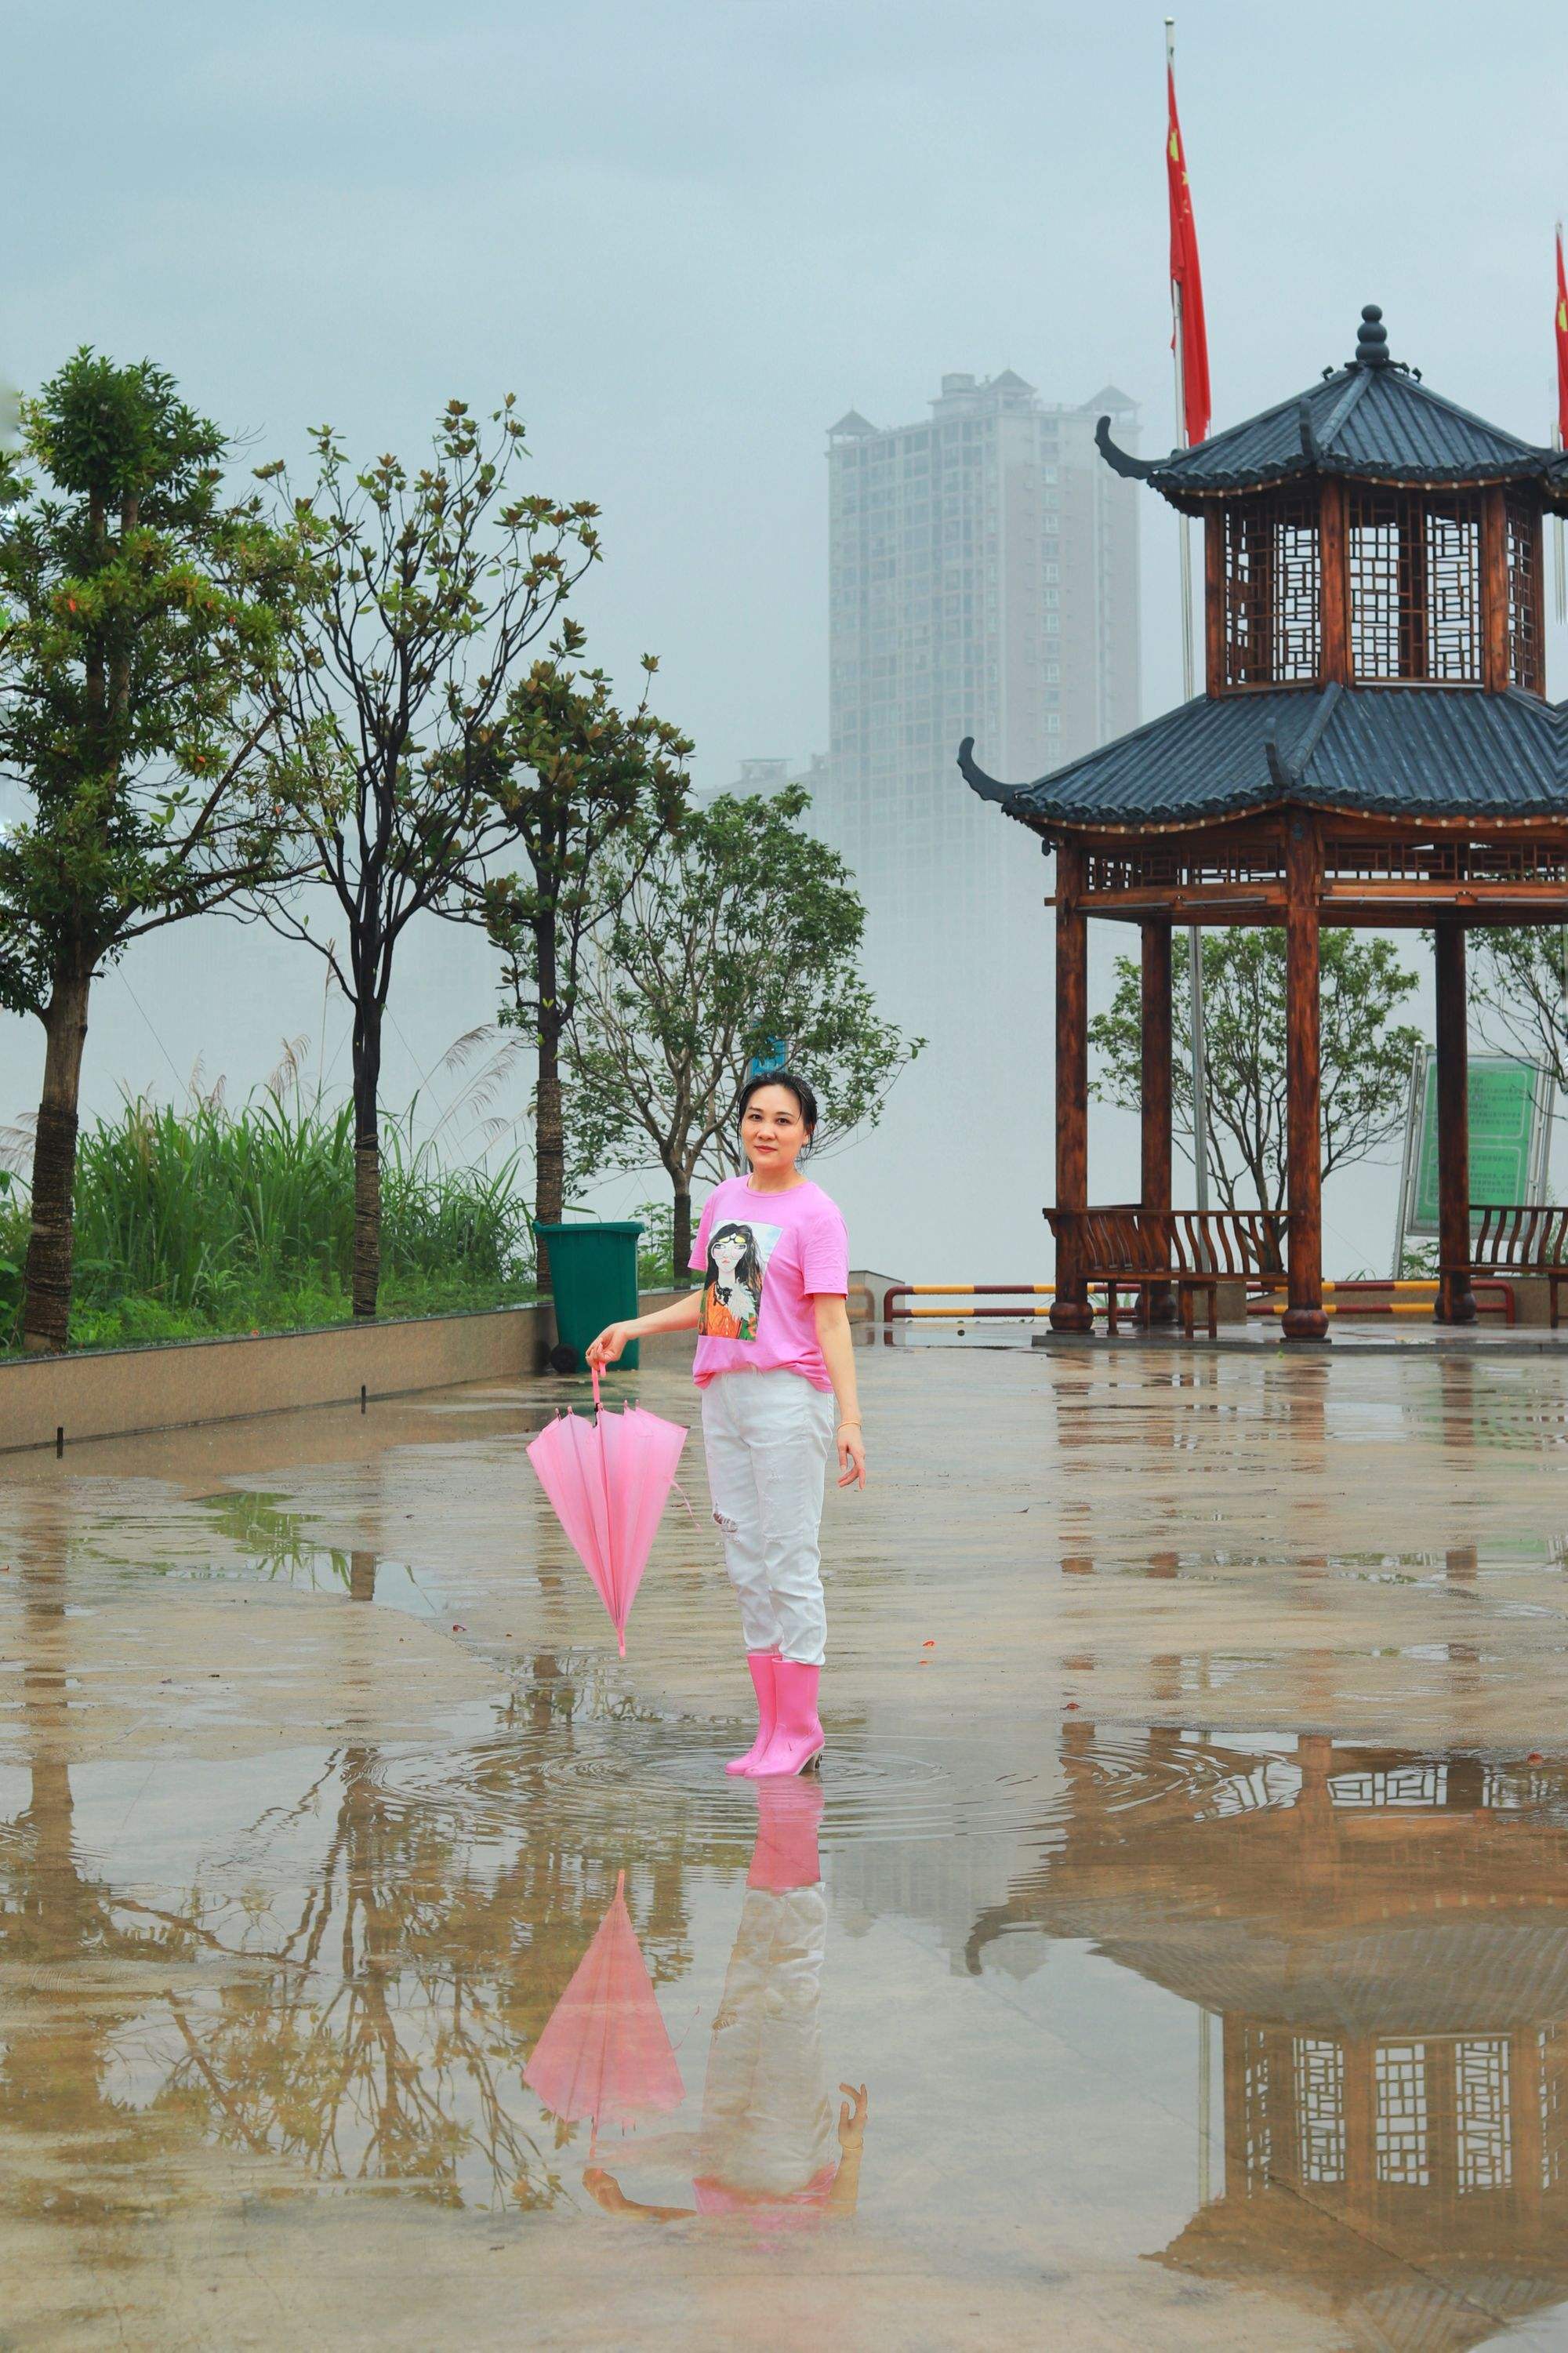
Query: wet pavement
x,y
1174,1950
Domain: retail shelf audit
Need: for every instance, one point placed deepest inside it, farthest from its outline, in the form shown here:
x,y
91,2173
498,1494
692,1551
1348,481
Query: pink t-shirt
x,y
763,1257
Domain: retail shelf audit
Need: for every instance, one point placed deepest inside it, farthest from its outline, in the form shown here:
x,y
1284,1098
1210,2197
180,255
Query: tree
x,y
139,646
586,793
742,933
426,590
1519,987
1365,1062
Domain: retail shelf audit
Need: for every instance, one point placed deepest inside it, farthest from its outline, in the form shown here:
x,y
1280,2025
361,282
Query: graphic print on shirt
x,y
738,1259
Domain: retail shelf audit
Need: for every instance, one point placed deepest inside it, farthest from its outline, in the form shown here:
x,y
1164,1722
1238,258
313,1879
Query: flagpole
x,y
1557,520
1561,565
1189,683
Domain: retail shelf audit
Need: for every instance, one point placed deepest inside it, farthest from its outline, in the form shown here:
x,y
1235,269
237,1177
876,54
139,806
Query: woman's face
x,y
773,1133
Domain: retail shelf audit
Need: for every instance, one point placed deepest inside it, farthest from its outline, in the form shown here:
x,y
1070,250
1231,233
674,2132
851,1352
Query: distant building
x,y
769,776
982,580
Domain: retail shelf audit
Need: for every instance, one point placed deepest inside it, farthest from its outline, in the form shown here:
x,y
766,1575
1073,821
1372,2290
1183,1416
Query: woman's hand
x,y
609,1344
604,2189
852,1455
852,2116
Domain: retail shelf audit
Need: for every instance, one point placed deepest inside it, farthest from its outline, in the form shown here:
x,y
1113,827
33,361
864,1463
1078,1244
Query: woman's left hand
x,y
852,1455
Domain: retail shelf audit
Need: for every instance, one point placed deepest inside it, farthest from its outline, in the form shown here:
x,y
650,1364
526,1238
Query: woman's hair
x,y
748,1266
801,1088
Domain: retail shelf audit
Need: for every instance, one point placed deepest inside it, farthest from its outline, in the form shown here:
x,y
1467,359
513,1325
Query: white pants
x,y
767,2118
769,1437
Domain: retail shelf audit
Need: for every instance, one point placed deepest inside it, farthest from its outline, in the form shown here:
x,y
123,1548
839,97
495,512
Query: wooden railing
x,y
1126,1238
1529,1237
1519,1238
1168,1258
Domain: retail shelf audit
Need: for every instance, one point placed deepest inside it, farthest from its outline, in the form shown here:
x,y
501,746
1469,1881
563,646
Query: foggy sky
x,y
689,238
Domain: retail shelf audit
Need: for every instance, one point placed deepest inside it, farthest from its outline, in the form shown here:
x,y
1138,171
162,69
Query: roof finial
x,y
1372,342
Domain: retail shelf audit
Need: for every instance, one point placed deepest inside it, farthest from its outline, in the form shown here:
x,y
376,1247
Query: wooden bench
x,y
1154,1253
1519,1238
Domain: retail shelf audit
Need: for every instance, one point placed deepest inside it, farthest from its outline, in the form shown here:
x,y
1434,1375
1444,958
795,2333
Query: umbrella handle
x,y
594,1370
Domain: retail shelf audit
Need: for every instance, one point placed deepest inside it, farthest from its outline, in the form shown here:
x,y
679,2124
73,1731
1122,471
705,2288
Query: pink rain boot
x,y
763,1664
788,1816
797,1735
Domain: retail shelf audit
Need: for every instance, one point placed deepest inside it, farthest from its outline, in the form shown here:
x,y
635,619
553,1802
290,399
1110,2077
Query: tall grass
x,y
208,1218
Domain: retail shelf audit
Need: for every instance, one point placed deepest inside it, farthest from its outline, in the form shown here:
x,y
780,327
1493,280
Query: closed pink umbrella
x,y
605,2052
609,1480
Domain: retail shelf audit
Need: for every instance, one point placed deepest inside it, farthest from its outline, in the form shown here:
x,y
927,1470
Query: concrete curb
x,y
120,1392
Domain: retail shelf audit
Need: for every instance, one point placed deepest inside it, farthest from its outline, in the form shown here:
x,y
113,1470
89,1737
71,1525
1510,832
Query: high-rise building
x,y
982,581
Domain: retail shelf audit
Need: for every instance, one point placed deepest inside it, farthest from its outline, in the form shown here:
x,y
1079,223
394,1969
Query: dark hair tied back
x,y
801,1088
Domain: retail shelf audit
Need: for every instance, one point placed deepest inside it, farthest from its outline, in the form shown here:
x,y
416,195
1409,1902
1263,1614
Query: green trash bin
x,y
593,1272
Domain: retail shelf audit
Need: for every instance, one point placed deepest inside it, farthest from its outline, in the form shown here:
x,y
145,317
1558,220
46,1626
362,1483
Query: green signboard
x,y
1510,1103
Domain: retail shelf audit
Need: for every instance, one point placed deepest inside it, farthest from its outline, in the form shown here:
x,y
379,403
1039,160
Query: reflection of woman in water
x,y
734,1296
769,2150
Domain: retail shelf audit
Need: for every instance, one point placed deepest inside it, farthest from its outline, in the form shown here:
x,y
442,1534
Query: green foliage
x,y
1519,993
580,779
655,1247
142,619
425,589
586,791
204,1219
1365,1059
740,929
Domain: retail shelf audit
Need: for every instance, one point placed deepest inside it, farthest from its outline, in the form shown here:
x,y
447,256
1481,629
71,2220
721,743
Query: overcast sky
x,y
688,236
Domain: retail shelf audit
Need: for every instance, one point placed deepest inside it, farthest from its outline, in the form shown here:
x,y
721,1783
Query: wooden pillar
x,y
1304,1318
1527,2171
1334,587
1070,1308
1155,1188
1455,1300
1215,591
1494,590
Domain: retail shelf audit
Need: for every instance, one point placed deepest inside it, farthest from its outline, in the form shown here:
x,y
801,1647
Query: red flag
x,y
1187,285
1561,344
1562,347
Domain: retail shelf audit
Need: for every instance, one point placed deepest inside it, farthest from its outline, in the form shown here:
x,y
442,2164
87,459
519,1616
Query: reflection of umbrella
x,y
604,2053
608,1480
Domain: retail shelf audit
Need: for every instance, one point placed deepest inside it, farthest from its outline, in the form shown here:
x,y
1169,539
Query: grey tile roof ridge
x,y
1464,753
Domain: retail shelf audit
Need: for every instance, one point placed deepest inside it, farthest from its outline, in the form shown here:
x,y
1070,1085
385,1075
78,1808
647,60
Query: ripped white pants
x,y
769,1439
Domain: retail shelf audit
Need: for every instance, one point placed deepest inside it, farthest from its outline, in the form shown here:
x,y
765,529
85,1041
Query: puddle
x,y
275,1548
1313,1998
400,1962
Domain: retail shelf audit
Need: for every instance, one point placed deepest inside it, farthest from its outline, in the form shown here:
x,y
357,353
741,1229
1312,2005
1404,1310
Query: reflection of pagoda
x,y
1387,1938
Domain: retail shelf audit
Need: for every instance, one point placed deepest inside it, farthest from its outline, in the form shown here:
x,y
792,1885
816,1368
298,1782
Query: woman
x,y
773,1350
767,2151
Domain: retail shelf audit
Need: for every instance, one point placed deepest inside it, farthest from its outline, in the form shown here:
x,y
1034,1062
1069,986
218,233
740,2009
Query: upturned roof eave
x,y
1047,808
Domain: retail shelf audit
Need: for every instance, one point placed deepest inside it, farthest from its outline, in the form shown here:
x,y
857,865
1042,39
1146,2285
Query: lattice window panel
x,y
1404,1785
1523,544
1416,586
1319,2109
1401,2130
1553,2107
1480,2100
1258,2140
1272,592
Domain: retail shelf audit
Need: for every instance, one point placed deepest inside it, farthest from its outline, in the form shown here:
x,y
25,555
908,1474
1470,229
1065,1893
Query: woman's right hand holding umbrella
x,y
608,1345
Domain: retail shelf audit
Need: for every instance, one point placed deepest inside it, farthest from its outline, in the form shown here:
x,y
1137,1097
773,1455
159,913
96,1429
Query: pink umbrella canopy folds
x,y
609,1481
605,2052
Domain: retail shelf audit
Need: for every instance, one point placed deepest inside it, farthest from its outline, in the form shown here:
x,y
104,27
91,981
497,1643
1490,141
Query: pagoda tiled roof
x,y
1396,751
1373,419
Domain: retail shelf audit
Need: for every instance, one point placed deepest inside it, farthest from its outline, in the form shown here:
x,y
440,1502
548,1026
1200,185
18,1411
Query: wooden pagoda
x,y
1373,747
1384,1947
